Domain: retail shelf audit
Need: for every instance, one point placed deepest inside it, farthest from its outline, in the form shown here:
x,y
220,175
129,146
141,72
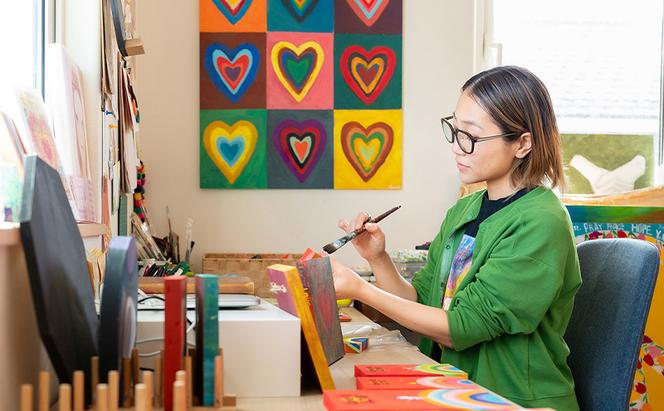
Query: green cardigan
x,y
509,314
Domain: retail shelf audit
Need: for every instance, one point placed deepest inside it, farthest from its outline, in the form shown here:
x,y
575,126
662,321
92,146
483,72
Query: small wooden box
x,y
251,265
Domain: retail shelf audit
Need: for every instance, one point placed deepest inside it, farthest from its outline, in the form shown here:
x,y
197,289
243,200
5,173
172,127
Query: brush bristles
x,y
330,248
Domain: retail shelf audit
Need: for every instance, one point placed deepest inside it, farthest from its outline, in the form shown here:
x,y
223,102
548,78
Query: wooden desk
x,y
342,372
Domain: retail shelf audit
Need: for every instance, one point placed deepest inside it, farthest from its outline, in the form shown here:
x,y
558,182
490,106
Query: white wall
x,y
437,59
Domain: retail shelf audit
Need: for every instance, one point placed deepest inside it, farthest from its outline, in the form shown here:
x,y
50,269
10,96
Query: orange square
x,y
233,16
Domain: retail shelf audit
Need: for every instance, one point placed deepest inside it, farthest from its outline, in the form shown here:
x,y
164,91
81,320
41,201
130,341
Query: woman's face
x,y
491,160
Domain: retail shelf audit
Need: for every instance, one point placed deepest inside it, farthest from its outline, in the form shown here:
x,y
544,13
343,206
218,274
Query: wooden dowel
x,y
181,376
218,381
64,397
189,380
179,396
113,390
126,382
140,398
148,381
102,397
79,391
135,365
44,400
94,376
26,397
158,381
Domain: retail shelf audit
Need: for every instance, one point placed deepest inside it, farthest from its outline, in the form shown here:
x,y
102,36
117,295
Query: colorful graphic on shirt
x,y
463,259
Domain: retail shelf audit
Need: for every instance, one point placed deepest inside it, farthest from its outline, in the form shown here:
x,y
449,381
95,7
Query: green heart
x,y
364,150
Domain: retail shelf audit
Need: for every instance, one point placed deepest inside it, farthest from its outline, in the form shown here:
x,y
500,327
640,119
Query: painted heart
x,y
367,73
230,147
299,9
297,67
233,10
369,11
300,145
232,71
366,148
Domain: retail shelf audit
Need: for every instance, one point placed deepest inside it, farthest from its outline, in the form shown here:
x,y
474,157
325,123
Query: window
x,y
23,32
601,61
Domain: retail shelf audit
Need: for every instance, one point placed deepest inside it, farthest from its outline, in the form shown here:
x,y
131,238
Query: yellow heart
x,y
376,61
320,56
367,151
242,130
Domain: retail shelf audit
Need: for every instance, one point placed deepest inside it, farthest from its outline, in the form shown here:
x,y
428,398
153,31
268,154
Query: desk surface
x,y
342,372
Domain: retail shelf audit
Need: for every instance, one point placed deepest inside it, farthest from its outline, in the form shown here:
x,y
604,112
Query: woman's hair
x,y
519,103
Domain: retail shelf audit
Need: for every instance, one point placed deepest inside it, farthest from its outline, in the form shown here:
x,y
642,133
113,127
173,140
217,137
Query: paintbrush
x,y
334,246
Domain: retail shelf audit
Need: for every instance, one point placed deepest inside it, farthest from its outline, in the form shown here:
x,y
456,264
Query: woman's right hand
x,y
370,244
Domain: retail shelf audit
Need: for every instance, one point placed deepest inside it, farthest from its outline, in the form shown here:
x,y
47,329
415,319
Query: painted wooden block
x,y
375,400
407,370
207,335
174,333
356,344
414,383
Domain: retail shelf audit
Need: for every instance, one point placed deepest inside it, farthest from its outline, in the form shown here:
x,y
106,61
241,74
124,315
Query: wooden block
x,y
207,336
26,397
174,334
134,47
227,285
79,391
356,344
406,370
44,400
64,397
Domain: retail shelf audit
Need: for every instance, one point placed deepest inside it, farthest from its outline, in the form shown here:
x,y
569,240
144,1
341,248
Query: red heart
x,y
363,9
233,71
356,83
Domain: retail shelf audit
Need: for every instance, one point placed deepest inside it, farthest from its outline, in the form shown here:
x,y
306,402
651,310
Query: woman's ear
x,y
524,145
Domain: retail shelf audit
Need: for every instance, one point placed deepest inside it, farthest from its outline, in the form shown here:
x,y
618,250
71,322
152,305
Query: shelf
x,y
9,232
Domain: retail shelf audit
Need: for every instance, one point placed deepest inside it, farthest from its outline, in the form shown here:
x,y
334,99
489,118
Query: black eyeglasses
x,y
464,139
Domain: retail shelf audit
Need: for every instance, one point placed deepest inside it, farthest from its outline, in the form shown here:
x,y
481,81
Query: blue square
x,y
314,16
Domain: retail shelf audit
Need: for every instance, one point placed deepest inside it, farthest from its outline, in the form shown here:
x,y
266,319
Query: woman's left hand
x,y
347,283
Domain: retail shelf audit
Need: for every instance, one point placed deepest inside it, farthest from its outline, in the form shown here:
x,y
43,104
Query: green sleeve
x,y
515,287
422,279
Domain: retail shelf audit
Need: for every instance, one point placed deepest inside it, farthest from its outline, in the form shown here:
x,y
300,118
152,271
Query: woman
x,y
497,292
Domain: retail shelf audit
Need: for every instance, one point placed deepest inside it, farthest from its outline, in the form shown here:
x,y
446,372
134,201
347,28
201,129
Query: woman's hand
x,y
370,244
346,281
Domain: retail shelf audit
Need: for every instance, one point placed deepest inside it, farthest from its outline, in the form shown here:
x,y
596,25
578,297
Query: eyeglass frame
x,y
472,138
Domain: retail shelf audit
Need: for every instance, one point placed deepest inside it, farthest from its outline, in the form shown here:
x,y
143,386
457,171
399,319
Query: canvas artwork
x,y
647,224
65,101
316,276
292,298
35,127
301,94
